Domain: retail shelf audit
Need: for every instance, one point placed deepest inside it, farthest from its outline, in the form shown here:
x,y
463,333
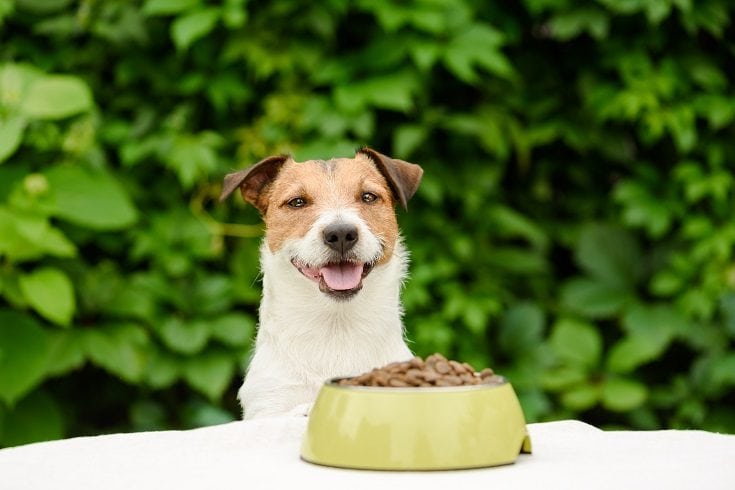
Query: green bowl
x,y
415,428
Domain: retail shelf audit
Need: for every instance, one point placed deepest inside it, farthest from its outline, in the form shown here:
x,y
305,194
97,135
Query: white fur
x,y
306,337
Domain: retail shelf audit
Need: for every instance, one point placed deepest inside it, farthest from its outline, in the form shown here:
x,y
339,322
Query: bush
x,y
574,229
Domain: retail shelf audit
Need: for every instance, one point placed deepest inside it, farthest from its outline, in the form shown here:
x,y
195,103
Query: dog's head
x,y
334,220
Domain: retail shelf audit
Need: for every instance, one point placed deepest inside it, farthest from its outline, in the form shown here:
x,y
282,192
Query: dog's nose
x,y
340,237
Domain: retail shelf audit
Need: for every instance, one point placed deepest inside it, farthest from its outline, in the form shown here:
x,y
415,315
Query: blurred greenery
x,y
574,229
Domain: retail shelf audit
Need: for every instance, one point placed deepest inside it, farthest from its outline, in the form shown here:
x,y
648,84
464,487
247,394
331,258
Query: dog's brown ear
x,y
253,181
403,177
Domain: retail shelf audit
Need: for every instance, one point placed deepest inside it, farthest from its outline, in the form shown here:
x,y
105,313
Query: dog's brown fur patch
x,y
338,183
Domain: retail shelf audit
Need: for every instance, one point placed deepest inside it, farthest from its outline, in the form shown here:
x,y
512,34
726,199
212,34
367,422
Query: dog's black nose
x,y
340,237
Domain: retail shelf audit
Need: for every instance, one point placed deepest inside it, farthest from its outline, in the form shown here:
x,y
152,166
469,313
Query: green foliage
x,y
574,228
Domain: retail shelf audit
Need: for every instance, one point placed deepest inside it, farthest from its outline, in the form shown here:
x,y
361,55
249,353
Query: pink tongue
x,y
342,276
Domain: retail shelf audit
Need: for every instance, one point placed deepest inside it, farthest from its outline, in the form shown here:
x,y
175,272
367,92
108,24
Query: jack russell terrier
x,y
333,263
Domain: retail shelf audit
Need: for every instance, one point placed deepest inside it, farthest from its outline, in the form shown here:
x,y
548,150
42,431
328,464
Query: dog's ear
x,y
403,177
253,181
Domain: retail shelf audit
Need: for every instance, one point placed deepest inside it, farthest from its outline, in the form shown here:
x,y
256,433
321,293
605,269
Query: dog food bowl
x,y
437,428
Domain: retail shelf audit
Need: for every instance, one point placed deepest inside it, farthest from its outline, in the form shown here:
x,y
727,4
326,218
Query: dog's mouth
x,y
338,279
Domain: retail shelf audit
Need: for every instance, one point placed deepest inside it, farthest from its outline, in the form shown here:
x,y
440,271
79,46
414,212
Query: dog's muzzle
x,y
341,280
341,275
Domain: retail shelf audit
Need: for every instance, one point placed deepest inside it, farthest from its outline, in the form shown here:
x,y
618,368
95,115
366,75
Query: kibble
x,y
435,370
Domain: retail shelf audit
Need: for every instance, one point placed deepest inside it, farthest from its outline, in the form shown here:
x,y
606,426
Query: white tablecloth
x,y
264,454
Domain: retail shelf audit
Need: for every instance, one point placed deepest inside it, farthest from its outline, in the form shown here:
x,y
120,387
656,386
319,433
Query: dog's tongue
x,y
341,277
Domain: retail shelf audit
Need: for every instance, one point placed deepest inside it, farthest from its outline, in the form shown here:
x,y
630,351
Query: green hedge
x,y
574,229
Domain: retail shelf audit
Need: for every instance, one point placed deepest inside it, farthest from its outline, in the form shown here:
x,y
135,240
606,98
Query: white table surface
x,y
264,454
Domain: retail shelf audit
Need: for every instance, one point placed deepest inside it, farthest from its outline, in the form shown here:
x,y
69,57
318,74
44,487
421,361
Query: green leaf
x,y
569,24
535,404
11,134
424,54
657,323
510,223
15,79
163,369
682,126
631,352
643,209
210,373
148,415
193,157
28,236
43,7
517,260
234,14
10,177
50,292
727,309
594,299
201,414
36,418
478,45
184,337
393,92
66,352
562,378
132,300
11,290
168,7
186,29
723,371
233,329
120,349
213,294
666,283
576,343
56,97
609,254
581,398
621,395
407,138
23,349
90,199
521,328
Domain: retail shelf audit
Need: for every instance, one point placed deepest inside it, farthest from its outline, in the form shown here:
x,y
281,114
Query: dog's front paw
x,y
301,410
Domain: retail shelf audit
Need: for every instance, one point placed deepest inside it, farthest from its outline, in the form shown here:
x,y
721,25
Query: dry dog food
x,y
436,370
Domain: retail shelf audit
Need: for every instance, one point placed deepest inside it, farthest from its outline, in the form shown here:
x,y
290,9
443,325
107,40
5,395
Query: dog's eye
x,y
297,202
369,197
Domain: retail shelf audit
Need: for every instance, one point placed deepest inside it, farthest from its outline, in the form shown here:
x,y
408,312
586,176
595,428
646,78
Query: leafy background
x,y
574,229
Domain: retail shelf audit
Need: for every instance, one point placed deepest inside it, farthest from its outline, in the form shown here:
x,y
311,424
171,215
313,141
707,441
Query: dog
x,y
333,263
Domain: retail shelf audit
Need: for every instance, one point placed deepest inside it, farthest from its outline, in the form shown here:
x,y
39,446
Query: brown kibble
x,y
417,363
442,367
436,370
393,367
414,377
397,383
434,358
457,367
